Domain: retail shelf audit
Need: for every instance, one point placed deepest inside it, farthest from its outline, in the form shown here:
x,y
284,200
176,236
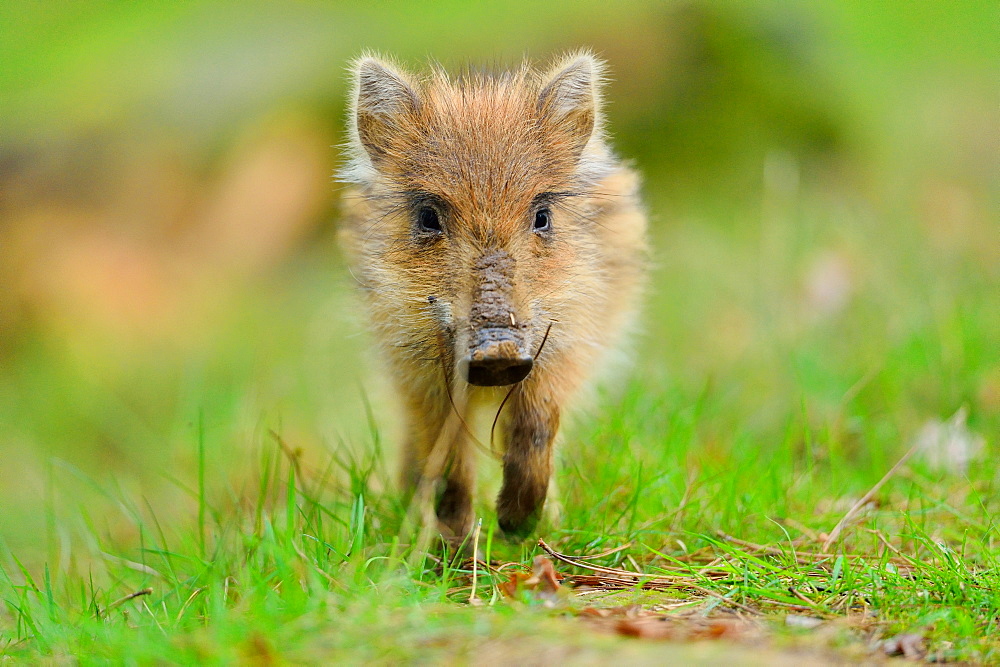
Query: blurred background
x,y
822,180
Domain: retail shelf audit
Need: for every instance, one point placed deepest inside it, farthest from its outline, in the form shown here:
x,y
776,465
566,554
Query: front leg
x,y
454,502
527,462
425,417
437,453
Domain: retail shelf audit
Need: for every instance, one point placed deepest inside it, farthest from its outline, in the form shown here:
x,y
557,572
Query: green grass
x,y
309,565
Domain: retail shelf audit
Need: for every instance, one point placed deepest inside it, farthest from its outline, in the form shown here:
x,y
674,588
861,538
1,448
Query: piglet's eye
x,y
543,220
428,220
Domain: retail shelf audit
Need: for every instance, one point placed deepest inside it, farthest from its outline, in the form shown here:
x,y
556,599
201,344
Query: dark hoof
x,y
519,531
454,511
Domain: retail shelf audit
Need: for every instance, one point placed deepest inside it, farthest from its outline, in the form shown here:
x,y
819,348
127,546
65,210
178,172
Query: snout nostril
x,y
498,371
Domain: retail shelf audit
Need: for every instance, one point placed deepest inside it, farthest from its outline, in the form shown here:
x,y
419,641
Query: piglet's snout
x,y
497,353
496,358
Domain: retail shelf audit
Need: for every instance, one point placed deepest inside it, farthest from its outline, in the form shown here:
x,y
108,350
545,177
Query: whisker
x,y
454,408
496,417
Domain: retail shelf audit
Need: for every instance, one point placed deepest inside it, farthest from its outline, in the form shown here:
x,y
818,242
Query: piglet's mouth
x,y
497,358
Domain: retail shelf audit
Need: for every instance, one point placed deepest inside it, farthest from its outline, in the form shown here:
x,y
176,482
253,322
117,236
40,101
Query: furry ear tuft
x,y
383,97
569,100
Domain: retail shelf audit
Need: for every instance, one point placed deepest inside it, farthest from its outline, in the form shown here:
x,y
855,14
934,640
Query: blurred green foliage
x,y
822,180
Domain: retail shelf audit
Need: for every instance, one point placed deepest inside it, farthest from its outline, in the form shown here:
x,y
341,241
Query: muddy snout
x,y
497,357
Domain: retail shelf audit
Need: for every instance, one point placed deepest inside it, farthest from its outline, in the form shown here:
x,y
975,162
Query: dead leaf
x,y
628,611
646,628
544,575
658,626
513,586
542,584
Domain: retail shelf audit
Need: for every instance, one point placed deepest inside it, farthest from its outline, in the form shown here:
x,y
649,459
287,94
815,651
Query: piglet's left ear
x,y
569,99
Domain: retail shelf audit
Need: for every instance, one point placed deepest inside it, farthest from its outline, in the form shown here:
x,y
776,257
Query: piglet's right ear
x,y
384,99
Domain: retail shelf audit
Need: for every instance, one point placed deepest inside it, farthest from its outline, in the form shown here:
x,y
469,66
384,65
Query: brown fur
x,y
487,152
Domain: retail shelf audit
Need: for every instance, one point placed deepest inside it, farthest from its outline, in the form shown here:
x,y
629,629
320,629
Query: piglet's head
x,y
476,224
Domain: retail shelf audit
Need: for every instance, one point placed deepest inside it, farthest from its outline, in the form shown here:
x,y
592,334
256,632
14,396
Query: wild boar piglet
x,y
500,246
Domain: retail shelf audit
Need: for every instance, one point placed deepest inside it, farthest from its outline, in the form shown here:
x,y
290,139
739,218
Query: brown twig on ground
x,y
799,526
609,583
660,582
839,528
803,557
604,553
614,572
